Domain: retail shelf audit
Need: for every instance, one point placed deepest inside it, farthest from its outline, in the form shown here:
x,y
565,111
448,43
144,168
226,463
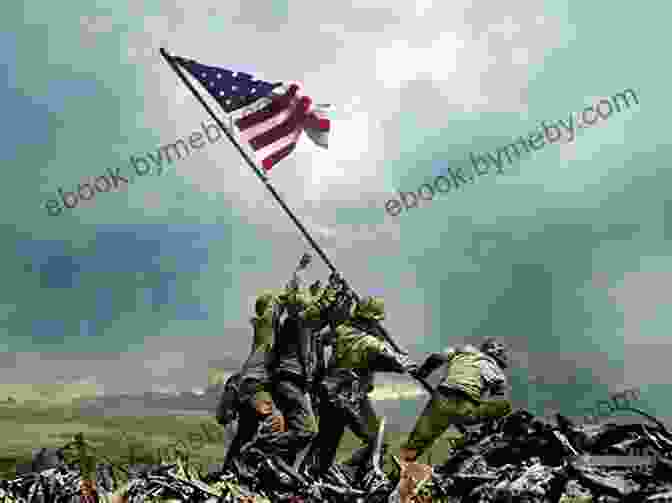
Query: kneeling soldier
x,y
474,389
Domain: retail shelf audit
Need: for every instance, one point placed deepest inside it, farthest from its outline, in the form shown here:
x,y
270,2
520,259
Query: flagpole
x,y
277,197
249,161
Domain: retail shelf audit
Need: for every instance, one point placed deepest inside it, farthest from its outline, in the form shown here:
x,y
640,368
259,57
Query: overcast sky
x,y
566,256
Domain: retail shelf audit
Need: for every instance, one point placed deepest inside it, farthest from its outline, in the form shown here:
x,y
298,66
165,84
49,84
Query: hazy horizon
x,y
566,256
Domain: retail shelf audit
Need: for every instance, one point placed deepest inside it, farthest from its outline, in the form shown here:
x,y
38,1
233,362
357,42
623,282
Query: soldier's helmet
x,y
497,350
372,308
263,302
315,287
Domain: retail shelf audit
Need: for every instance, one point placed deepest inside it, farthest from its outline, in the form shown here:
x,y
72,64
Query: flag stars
x,y
219,75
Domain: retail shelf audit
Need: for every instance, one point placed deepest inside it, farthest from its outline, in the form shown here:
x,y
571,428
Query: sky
x,y
565,255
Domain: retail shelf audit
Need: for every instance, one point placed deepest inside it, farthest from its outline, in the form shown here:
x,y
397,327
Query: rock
x,y
516,459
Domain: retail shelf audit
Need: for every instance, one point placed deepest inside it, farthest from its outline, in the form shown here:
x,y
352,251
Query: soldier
x,y
474,389
294,364
248,394
250,390
358,352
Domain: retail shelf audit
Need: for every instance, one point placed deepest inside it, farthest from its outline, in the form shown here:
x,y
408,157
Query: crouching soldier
x,y
474,389
358,352
247,395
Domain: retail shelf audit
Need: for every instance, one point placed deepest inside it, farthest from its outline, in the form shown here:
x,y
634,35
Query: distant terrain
x,y
52,394
133,427
35,416
124,439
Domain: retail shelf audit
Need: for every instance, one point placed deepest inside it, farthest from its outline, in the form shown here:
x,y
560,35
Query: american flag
x,y
269,117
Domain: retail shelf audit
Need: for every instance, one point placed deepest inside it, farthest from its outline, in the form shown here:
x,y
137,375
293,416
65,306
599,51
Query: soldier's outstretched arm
x,y
434,361
390,361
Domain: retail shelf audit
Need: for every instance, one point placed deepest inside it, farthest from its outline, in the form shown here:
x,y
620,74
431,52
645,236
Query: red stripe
x,y
275,107
281,130
277,156
315,122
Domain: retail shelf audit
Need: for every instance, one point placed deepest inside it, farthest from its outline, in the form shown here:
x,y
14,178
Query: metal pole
x,y
249,161
273,192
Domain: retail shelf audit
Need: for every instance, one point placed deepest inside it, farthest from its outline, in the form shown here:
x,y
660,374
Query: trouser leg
x,y
365,427
438,415
332,428
296,406
247,427
492,409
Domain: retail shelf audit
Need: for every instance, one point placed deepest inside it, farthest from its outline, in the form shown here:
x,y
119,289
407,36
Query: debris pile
x,y
523,458
518,458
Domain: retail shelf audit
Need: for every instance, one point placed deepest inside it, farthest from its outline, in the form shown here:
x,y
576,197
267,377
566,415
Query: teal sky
x,y
566,255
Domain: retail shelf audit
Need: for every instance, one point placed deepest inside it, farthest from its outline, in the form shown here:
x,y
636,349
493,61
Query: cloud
x,y
388,48
640,295
416,86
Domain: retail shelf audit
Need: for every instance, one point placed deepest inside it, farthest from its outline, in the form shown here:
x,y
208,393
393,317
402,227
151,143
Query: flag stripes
x,y
269,117
273,131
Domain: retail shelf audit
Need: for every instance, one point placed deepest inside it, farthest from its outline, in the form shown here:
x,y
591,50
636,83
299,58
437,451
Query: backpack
x,y
229,401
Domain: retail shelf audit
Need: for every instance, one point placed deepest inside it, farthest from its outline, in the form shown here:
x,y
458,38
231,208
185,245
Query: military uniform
x,y
294,363
474,388
254,379
279,369
357,354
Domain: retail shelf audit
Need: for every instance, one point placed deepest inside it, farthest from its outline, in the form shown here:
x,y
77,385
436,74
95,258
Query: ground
x,y
26,426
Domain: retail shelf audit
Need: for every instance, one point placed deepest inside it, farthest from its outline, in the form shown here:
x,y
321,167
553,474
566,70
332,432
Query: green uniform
x,y
354,348
294,361
279,367
474,388
357,355
256,382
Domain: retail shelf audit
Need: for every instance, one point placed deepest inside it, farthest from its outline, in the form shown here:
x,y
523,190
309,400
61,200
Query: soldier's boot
x,y
362,459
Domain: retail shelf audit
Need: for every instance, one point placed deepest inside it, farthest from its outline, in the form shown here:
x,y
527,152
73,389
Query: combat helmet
x,y
264,300
315,288
496,350
371,308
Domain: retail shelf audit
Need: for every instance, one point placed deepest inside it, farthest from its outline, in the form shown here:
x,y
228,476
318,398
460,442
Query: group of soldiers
x,y
314,355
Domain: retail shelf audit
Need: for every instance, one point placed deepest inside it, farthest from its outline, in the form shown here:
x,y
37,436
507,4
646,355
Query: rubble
x,y
518,458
